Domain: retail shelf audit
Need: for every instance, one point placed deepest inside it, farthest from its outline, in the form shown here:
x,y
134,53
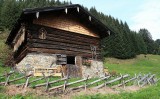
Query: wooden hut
x,y
58,40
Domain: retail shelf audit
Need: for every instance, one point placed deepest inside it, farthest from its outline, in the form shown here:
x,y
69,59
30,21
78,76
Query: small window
x,y
42,33
71,60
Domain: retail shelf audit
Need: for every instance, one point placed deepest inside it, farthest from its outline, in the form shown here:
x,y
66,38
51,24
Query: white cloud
x,y
148,17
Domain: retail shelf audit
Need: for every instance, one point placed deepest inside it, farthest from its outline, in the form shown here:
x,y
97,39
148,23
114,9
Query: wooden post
x,y
65,83
47,84
143,79
123,82
7,80
85,85
44,76
135,82
27,82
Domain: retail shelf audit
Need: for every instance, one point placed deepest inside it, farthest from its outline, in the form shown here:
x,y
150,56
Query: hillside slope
x,y
140,64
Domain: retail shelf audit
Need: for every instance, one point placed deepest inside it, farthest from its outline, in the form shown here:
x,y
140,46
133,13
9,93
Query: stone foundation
x,y
95,70
49,60
36,60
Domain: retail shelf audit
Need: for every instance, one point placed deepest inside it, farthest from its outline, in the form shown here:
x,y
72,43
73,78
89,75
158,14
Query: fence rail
x,y
122,80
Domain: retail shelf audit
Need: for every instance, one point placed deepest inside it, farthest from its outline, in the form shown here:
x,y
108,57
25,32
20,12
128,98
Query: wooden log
x,y
68,84
30,81
7,80
143,78
64,86
51,82
47,84
16,79
86,83
61,33
27,82
137,77
147,80
150,79
57,47
122,81
91,83
36,80
125,82
62,43
111,81
78,81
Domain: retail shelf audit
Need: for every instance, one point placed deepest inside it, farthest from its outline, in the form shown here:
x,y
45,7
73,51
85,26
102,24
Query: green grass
x,y
142,64
4,49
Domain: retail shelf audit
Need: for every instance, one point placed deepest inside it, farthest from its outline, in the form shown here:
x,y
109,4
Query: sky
x,y
137,13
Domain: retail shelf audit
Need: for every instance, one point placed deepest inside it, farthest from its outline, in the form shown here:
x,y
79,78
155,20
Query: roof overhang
x,y
27,14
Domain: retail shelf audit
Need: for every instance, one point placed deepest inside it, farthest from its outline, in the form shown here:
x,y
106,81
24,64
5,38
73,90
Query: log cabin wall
x,y
64,22
61,42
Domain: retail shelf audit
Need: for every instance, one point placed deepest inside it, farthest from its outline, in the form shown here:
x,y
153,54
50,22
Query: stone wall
x,y
32,60
95,70
49,60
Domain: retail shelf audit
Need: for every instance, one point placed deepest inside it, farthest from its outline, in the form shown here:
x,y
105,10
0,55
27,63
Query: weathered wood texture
x,y
57,42
111,81
64,22
91,83
62,42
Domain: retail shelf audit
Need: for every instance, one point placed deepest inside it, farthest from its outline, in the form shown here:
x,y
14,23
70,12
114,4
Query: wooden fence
x,y
122,80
